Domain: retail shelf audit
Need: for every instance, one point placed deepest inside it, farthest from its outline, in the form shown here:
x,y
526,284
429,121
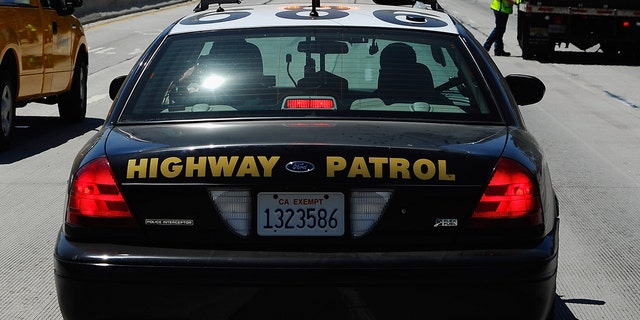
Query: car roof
x,y
328,15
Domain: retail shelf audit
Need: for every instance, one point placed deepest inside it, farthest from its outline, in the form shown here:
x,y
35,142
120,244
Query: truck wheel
x,y
527,52
610,51
72,105
523,36
7,108
545,53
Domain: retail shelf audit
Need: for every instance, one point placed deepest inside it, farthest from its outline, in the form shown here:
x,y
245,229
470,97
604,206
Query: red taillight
x,y
626,24
94,194
511,194
310,104
557,20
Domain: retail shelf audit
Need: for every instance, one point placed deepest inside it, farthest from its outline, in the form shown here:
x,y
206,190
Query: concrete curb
x,y
92,11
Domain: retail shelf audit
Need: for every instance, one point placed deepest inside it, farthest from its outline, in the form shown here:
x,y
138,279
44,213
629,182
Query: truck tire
x,y
540,49
72,105
538,52
523,36
7,108
527,52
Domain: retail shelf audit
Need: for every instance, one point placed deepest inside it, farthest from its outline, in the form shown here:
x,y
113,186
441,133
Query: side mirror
x,y
115,86
526,89
63,7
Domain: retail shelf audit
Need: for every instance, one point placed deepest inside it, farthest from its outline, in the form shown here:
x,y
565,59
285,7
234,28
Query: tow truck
x,y
43,58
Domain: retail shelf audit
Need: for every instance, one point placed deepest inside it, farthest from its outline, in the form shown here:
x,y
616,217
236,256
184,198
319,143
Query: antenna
x,y
434,5
204,4
314,5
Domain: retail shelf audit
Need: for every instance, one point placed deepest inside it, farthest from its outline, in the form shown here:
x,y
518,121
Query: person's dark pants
x,y
498,32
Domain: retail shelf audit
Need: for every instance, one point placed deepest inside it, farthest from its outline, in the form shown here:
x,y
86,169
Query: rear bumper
x,y
192,284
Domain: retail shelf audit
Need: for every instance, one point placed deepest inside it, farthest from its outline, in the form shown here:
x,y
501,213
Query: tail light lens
x,y
366,210
510,196
95,197
235,208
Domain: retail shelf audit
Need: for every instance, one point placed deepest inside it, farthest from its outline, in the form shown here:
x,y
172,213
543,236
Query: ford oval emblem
x,y
300,166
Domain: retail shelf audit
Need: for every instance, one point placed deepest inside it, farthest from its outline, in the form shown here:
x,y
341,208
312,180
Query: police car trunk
x,y
268,185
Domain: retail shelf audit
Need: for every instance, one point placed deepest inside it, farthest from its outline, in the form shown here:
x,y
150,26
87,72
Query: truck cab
x,y
44,59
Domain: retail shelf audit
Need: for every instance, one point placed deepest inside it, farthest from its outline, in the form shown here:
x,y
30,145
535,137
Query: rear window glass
x,y
324,72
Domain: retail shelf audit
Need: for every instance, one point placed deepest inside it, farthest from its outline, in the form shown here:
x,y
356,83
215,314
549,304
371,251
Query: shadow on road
x,y
590,58
36,134
562,310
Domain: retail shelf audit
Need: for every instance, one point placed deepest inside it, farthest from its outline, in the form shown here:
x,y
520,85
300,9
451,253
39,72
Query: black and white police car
x,y
312,161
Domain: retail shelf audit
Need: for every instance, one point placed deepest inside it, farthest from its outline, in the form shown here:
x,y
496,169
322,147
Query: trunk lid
x,y
434,174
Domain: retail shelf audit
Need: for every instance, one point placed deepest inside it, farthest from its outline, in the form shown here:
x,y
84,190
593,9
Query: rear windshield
x,y
311,72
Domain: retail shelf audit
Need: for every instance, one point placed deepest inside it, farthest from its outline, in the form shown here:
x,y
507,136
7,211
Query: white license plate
x,y
300,214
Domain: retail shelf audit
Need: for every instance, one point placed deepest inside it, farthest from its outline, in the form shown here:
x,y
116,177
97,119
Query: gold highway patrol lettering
x,y
262,167
223,166
394,168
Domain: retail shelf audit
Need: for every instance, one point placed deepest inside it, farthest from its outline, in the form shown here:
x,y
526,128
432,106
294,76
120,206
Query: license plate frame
x,y
300,214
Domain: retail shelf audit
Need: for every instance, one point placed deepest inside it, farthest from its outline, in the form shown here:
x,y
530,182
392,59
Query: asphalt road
x,y
588,124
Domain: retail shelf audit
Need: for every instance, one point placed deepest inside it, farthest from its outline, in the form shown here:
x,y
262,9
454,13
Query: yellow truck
x,y
43,58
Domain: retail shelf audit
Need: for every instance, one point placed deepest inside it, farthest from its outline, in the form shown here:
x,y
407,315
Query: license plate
x,y
300,214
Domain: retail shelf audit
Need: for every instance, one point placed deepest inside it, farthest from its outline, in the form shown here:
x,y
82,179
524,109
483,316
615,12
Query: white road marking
x,y
96,98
